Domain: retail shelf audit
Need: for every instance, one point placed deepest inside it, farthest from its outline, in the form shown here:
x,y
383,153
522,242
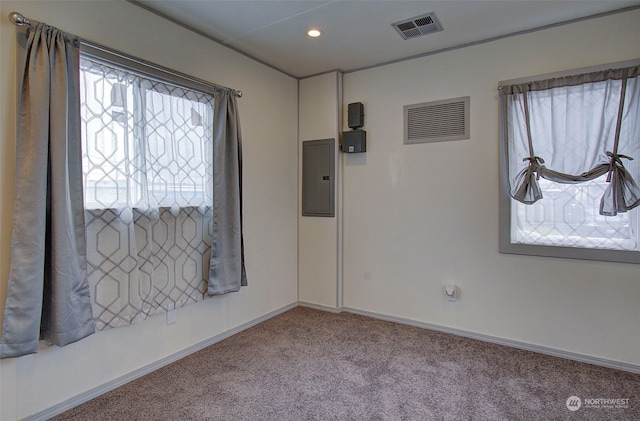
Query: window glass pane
x,y
179,147
146,143
568,216
107,122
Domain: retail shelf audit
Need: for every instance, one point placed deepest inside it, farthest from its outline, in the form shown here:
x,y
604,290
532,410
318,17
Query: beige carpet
x,y
312,365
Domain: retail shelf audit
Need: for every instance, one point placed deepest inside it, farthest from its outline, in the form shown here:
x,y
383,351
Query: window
x,y
146,143
571,162
147,168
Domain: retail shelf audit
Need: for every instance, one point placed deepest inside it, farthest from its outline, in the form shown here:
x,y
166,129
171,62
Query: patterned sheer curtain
x,y
575,141
147,163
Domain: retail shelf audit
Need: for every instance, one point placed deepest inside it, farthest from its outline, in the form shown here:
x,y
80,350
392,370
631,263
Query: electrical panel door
x,y
318,184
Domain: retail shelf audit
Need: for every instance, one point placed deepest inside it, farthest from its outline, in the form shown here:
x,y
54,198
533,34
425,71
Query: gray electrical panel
x,y
354,141
355,115
318,184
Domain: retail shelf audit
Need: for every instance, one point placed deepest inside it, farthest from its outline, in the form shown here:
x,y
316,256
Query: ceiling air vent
x,y
437,121
418,26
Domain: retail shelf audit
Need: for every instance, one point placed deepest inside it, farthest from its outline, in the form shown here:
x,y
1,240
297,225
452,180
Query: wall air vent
x,y
437,121
418,26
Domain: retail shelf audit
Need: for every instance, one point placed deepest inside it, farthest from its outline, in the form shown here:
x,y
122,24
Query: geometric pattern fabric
x,y
155,263
147,173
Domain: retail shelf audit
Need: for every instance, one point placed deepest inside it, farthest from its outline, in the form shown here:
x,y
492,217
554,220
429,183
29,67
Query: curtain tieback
x,y
615,160
535,164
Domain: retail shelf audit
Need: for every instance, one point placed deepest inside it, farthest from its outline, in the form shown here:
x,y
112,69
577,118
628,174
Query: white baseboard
x,y
120,381
632,368
320,307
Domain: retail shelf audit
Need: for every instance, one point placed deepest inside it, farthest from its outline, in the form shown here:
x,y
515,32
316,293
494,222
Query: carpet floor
x,y
307,364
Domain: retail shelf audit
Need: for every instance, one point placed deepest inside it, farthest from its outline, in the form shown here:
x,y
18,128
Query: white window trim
x,y
505,244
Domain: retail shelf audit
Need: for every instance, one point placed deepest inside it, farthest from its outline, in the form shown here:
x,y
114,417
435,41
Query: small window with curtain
x,y
571,163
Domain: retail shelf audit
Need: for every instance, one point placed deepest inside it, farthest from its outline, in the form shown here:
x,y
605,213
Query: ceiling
x,y
358,33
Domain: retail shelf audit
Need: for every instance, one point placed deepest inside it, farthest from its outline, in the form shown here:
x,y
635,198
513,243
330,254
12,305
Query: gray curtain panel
x,y
48,292
592,129
227,269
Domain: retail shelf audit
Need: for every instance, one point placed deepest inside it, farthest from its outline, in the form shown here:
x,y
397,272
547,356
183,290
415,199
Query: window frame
x,y
504,208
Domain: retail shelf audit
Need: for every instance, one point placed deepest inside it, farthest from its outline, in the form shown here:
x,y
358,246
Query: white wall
x,y
418,216
33,383
319,259
411,221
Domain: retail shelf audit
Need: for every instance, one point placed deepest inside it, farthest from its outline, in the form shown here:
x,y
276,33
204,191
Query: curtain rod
x,y
19,20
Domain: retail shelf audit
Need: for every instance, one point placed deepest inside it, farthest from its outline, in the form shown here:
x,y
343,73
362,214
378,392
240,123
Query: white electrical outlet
x,y
171,317
450,292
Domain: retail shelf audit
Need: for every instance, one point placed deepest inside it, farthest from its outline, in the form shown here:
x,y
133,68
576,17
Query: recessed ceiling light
x,y
314,32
